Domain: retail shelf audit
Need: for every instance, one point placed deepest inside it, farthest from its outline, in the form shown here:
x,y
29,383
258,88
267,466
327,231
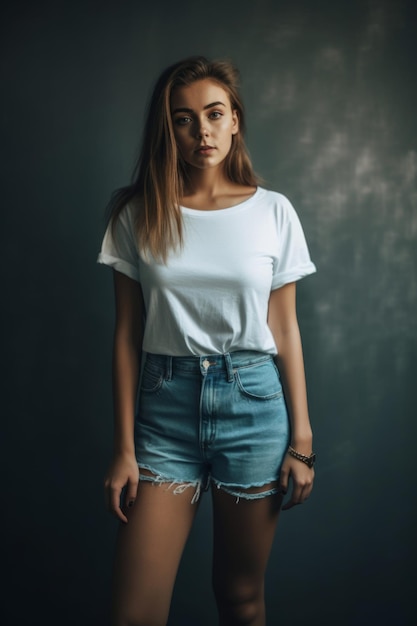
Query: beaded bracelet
x,y
308,460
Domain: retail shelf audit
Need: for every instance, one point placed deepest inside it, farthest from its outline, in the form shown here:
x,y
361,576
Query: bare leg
x,y
148,552
243,535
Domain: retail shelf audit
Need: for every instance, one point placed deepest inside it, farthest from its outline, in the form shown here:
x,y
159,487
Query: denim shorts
x,y
218,419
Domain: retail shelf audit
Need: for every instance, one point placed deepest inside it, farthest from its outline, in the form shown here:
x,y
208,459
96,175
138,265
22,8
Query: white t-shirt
x,y
211,297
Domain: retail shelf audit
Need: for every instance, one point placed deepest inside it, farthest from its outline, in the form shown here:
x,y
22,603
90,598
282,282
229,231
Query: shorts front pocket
x,y
152,379
259,381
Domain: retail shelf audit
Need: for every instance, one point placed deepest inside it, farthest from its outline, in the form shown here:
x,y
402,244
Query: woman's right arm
x,y
127,347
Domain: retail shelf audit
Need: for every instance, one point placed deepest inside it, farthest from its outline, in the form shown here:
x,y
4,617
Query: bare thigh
x,y
243,536
148,552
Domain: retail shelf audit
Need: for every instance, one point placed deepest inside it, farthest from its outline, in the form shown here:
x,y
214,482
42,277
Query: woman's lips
x,y
205,150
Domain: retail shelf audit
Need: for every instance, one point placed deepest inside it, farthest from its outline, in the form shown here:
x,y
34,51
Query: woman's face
x,y
204,123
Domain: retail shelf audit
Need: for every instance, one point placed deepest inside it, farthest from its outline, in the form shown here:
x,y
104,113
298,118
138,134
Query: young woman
x,y
205,263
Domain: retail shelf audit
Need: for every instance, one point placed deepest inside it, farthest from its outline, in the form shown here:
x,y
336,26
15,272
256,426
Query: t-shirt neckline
x,y
226,211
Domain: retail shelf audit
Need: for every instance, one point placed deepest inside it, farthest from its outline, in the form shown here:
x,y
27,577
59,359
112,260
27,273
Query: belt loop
x,y
168,368
229,367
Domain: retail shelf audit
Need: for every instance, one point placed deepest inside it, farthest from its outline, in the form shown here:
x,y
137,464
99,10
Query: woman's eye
x,y
182,121
215,115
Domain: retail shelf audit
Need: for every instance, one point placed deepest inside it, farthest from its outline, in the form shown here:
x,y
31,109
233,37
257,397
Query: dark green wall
x,y
330,89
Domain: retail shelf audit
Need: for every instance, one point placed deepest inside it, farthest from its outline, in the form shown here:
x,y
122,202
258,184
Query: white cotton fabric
x,y
212,295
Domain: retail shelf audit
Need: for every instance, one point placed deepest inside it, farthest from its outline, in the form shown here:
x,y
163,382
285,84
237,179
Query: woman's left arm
x,y
282,320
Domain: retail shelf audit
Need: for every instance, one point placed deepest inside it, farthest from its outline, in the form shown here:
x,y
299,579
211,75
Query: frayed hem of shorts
x,y
236,490
177,486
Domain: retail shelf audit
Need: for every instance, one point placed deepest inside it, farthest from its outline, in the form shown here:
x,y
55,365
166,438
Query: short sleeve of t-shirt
x,y
293,259
119,248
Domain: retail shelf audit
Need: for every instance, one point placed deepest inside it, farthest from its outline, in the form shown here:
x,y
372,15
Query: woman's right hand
x,y
123,472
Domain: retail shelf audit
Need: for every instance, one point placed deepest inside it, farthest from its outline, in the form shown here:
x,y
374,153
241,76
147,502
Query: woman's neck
x,y
210,190
208,183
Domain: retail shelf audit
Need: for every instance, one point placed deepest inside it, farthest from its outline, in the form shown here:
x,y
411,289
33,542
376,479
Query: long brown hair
x,y
160,173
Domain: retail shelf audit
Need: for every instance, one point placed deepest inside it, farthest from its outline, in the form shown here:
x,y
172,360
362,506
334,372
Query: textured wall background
x,y
330,89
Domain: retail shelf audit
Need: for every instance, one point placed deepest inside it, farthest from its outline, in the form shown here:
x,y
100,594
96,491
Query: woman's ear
x,y
235,125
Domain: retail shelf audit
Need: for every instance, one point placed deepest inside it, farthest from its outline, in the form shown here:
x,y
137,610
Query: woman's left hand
x,y
302,478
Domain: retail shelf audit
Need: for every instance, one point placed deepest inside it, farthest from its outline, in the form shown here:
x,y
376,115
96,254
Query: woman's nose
x,y
200,130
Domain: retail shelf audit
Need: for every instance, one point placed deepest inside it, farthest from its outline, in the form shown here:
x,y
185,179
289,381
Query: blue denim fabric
x,y
218,418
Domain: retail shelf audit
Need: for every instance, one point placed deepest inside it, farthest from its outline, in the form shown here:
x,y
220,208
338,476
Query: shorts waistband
x,y
208,363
